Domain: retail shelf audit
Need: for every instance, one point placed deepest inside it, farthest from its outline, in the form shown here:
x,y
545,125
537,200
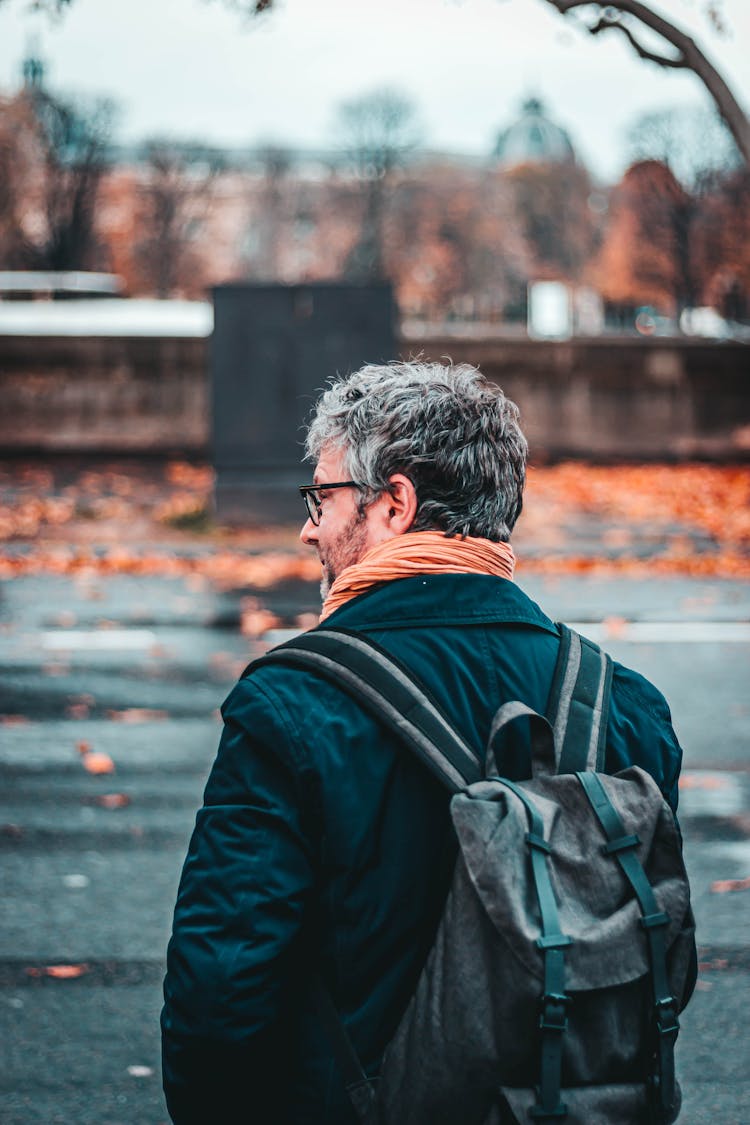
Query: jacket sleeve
x,y
234,949
640,732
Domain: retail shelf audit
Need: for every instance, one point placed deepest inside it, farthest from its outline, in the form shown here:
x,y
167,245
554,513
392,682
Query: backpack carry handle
x,y
540,732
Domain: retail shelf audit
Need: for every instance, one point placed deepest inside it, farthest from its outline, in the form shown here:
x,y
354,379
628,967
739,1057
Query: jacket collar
x,y
440,599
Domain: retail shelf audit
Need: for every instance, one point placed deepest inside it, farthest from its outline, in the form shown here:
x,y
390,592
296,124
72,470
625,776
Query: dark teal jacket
x,y
322,845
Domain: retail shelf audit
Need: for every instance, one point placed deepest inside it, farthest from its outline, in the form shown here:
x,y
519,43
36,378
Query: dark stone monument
x,y
273,350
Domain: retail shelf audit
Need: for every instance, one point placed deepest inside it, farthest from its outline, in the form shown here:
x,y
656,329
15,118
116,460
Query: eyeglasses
x,y
311,495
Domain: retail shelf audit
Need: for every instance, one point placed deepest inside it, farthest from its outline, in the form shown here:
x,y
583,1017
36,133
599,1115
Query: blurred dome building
x,y
533,139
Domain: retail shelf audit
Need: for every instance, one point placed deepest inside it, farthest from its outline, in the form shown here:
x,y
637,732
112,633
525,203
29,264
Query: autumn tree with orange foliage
x,y
674,246
645,258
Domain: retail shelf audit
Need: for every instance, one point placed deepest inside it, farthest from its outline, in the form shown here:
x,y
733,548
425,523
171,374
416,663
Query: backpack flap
x,y
597,907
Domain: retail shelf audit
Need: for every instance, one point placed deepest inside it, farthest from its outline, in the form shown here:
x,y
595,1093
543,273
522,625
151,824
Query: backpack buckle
x,y
621,844
667,1022
653,921
554,1013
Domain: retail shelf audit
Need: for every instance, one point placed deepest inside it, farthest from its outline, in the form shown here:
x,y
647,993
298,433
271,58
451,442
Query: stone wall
x,y
104,395
626,398
604,399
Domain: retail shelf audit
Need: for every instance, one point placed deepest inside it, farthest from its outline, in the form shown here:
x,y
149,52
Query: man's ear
x,y
401,498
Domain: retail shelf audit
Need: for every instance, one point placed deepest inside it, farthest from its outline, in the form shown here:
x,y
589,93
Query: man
x,y
322,847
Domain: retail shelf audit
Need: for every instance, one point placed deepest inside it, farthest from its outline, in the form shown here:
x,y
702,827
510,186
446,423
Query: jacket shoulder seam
x,y
642,700
294,738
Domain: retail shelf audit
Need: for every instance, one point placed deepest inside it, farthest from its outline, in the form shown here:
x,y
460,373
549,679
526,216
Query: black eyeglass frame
x,y
312,504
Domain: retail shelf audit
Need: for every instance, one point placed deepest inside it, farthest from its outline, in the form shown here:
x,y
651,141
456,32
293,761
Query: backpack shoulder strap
x,y
578,706
380,684
368,674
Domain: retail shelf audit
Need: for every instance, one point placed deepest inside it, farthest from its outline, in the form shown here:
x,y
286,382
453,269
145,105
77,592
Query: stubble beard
x,y
346,550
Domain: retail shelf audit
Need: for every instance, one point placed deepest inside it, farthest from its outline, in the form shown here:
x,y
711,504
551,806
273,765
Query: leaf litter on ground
x,y
630,520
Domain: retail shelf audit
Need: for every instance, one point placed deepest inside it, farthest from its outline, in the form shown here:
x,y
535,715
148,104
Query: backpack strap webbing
x,y
553,1018
371,676
665,1023
578,705
362,669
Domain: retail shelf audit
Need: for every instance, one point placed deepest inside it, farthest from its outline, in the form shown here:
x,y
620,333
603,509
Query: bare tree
x,y
552,204
17,128
457,248
630,17
176,197
53,153
51,7
378,130
76,146
264,260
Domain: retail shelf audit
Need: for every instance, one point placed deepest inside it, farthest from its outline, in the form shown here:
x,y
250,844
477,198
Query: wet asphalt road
x,y
135,669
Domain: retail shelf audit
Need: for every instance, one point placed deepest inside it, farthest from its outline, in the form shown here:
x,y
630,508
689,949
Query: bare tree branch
x,y
379,131
605,24
688,56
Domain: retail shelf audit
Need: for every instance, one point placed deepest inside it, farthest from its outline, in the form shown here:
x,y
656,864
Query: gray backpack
x,y
563,954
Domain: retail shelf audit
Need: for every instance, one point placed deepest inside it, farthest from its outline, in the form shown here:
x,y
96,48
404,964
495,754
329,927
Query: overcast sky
x,y
194,68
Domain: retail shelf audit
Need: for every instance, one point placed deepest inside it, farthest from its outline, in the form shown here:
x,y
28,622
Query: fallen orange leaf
x,y
721,886
60,972
66,972
65,619
113,800
654,506
55,668
694,781
255,619
615,626
98,763
136,715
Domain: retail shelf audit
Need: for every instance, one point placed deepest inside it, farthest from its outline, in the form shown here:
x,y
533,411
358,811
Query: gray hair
x,y
450,431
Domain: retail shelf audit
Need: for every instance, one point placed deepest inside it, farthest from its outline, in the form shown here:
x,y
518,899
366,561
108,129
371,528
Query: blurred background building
x,y
461,238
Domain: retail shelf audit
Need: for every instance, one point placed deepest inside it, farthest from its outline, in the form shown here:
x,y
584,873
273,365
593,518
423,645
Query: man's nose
x,y
309,533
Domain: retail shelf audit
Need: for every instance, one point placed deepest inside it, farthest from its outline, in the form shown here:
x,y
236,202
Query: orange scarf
x,y
419,552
